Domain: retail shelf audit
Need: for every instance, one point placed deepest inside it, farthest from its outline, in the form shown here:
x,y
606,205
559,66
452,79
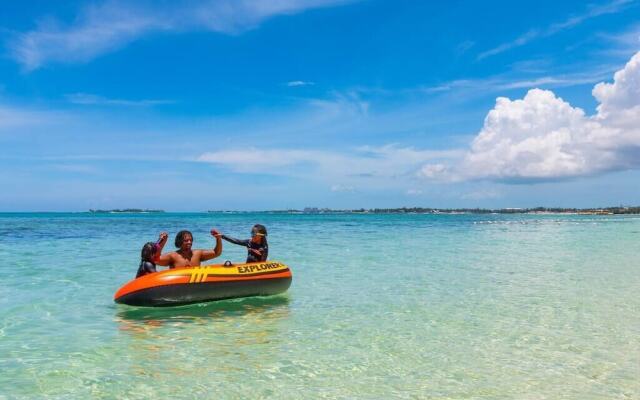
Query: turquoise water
x,y
381,306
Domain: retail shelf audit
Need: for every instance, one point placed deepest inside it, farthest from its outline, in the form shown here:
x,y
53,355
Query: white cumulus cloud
x,y
543,137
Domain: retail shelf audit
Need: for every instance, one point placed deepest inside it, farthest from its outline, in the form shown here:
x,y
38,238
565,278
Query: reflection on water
x,y
219,340
138,319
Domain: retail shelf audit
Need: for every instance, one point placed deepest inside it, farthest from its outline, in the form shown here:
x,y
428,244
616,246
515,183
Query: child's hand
x,y
256,252
163,236
215,233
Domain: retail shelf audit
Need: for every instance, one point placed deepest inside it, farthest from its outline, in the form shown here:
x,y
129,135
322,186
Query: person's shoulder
x,y
170,254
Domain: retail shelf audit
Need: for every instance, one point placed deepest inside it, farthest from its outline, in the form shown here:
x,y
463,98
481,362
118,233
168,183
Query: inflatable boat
x,y
180,286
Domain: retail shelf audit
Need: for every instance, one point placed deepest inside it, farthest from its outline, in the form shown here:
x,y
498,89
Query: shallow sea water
x,y
381,306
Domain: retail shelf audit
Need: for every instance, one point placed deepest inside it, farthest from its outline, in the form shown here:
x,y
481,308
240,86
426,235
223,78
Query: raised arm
x,y
209,254
162,240
163,259
236,241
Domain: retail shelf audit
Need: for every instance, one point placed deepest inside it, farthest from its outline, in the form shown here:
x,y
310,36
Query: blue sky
x,y
250,105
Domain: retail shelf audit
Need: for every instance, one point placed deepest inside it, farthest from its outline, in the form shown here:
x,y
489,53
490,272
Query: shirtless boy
x,y
185,256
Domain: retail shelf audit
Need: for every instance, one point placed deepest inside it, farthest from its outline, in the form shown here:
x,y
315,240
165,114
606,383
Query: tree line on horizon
x,y
430,210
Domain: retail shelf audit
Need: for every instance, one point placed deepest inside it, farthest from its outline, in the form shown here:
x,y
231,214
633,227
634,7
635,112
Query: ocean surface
x,y
381,306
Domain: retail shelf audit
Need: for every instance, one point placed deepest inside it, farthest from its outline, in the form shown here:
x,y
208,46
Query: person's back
x,y
146,267
149,254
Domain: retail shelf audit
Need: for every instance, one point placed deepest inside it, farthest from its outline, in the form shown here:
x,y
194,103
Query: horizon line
x,y
311,210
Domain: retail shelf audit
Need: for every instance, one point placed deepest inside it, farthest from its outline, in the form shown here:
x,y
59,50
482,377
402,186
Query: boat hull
x,y
181,286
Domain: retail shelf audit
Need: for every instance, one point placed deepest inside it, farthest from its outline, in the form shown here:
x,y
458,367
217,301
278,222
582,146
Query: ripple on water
x,y
399,306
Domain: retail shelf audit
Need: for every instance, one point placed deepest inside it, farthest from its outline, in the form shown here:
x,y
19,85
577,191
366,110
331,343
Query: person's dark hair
x,y
148,251
261,229
180,238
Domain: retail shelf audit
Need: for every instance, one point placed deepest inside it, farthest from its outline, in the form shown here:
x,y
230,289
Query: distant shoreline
x,y
125,211
421,210
635,210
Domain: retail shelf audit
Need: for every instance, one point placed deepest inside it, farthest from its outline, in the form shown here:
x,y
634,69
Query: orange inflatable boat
x,y
205,283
